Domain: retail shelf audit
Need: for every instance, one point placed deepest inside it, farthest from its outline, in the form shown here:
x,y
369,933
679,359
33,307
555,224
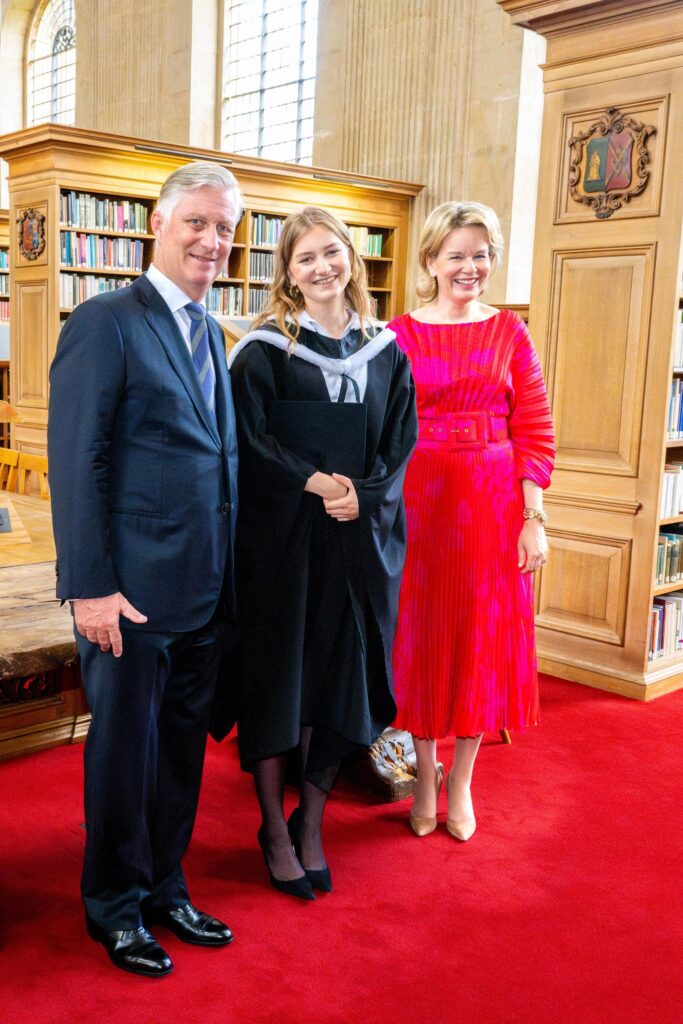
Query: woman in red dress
x,y
464,656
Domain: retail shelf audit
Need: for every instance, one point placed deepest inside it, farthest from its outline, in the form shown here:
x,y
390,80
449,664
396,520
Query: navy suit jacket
x,y
144,486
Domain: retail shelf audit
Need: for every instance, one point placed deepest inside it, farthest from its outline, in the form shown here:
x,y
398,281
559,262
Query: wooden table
x,y
36,632
31,538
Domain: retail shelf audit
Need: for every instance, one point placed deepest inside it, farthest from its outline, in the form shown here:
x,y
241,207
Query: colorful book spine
x,y
82,210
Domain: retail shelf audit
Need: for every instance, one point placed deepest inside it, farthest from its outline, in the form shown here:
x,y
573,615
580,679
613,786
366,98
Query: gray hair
x,y
199,174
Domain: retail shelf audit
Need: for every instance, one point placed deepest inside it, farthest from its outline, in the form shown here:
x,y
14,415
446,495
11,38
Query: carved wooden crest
x,y
31,225
609,162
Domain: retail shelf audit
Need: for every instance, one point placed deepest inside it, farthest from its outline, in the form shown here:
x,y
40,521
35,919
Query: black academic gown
x,y
317,599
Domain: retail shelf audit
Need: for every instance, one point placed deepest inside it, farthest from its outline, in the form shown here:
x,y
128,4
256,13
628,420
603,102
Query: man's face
x,y
195,238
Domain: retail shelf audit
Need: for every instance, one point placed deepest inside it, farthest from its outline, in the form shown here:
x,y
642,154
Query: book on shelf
x,y
97,252
672,490
674,426
4,259
678,344
4,286
666,626
261,266
4,309
258,300
75,288
224,300
83,210
265,229
366,242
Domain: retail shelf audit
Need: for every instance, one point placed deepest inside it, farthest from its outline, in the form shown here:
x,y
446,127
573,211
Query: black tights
x,y
269,777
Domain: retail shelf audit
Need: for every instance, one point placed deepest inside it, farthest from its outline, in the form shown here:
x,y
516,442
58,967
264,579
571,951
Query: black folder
x,y
329,435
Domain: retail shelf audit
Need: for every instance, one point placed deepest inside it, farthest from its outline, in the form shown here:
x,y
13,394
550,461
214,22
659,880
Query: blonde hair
x,y
440,222
286,300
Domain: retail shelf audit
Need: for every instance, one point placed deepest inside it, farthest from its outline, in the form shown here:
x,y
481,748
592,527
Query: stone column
x,y
424,92
149,68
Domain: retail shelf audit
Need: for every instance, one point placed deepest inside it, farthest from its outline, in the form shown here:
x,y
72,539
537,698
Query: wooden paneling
x,y
604,301
30,363
597,357
583,587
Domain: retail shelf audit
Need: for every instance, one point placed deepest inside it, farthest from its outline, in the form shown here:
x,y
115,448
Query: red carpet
x,y
564,907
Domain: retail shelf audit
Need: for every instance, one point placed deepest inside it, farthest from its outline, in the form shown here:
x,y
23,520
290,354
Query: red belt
x,y
463,429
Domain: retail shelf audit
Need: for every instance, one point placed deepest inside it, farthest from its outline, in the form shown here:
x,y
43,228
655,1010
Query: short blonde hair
x,y
287,301
440,222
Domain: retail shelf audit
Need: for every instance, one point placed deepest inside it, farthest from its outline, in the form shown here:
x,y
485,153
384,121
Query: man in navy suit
x,y
143,474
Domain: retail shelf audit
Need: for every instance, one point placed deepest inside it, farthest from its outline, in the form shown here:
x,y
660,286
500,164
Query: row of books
x,y
4,284
225,301
669,564
82,210
366,242
674,425
666,626
672,491
4,309
261,266
258,300
678,344
75,288
265,230
4,259
98,252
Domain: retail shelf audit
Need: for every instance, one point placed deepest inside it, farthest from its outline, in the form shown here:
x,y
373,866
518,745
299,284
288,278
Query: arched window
x,y
269,79
51,65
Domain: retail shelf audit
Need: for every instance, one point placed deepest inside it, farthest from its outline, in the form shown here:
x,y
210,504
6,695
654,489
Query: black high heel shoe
x,y
300,887
321,878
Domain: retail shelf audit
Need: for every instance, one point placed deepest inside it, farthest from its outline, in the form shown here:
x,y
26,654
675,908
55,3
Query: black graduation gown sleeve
x,y
375,544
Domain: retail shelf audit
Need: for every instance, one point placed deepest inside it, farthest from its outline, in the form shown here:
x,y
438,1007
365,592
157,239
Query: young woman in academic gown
x,y
320,548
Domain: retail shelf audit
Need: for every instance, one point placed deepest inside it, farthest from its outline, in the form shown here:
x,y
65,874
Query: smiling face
x,y
193,241
462,265
320,266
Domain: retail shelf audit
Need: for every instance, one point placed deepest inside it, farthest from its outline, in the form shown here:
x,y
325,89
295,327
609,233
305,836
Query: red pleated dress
x,y
464,655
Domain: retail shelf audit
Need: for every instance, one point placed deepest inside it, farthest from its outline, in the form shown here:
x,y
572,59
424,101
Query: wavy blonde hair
x,y
441,221
285,300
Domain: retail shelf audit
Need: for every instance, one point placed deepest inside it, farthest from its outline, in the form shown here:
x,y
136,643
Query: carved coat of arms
x,y
609,162
31,233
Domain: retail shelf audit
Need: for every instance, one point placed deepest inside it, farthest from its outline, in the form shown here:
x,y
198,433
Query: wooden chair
x,y
33,464
8,469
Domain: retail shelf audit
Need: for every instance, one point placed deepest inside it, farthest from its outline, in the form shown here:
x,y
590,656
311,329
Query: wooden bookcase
x,y
4,318
4,265
604,301
51,163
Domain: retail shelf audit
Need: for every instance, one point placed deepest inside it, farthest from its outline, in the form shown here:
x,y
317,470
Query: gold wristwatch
x,y
535,513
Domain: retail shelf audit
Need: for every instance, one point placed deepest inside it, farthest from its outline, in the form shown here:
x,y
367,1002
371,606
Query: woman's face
x,y
462,265
320,266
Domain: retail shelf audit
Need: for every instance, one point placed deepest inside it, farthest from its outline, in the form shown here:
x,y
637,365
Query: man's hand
x,y
345,509
97,619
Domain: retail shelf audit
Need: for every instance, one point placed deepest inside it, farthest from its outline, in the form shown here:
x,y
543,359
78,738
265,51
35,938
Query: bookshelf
x,y
94,193
4,320
4,266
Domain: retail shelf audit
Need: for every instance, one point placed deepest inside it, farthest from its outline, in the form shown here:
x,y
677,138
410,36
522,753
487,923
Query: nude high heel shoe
x,y
423,826
461,828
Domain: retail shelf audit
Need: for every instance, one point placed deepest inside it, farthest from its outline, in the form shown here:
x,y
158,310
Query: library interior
x,y
566,118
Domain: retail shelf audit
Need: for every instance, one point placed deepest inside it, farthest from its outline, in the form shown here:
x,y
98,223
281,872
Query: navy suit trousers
x,y
144,756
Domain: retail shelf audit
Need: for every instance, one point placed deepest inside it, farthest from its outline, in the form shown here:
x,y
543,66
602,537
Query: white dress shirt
x,y
175,298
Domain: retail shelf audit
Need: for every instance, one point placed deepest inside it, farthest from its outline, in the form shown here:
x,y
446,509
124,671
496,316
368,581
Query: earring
x,y
293,290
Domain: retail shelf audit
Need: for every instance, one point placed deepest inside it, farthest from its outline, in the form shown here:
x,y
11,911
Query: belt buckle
x,y
468,432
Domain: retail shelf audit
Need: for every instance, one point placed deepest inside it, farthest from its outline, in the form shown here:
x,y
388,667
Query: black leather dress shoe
x,y
136,950
192,925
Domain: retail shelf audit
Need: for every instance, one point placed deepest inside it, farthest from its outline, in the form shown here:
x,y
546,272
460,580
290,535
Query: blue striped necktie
x,y
201,354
